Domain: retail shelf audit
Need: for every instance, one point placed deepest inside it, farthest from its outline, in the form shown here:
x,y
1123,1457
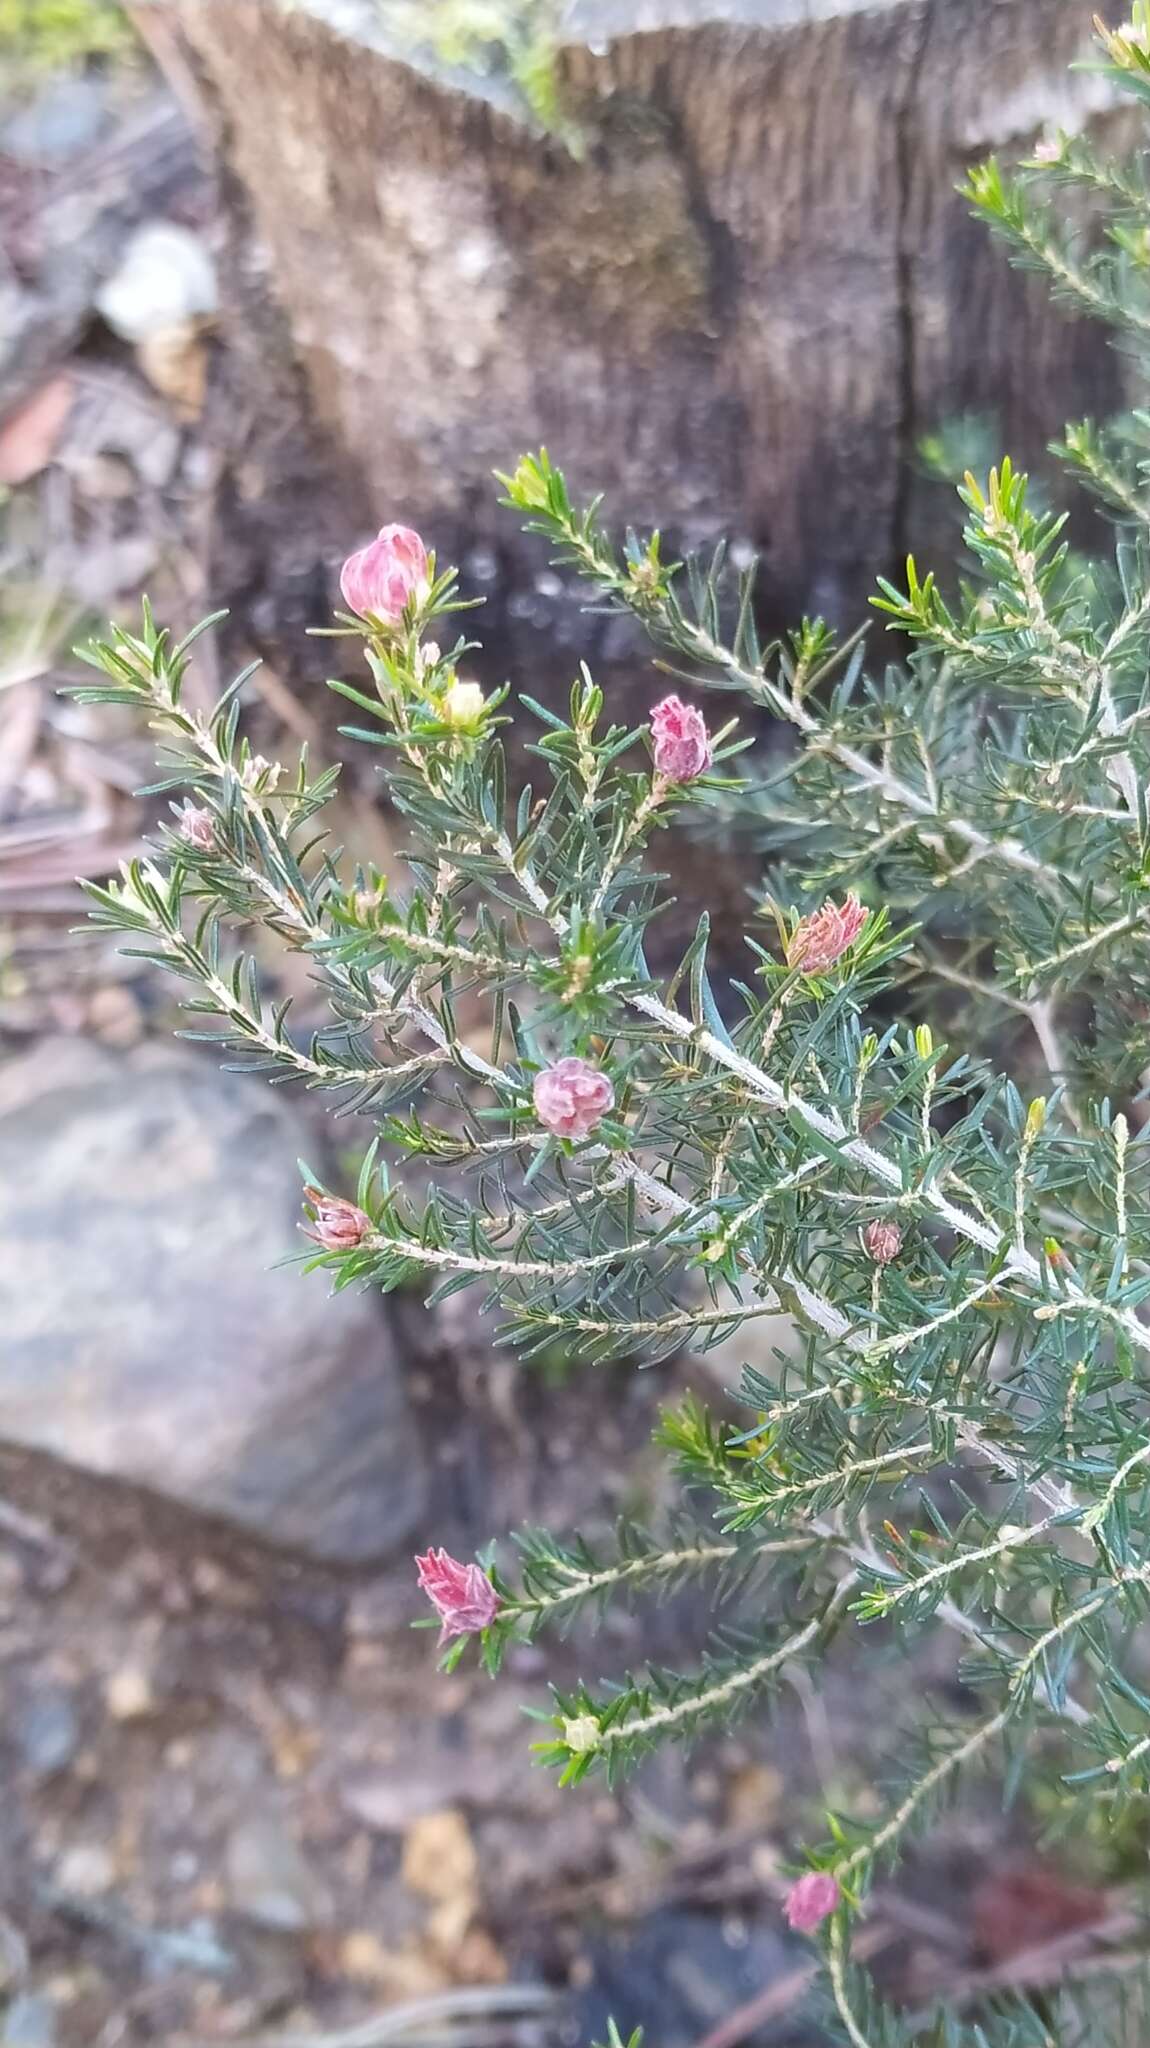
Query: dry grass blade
x,y
441,2019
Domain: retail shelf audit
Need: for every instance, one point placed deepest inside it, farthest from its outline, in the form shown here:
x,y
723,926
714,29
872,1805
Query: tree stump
x,y
734,309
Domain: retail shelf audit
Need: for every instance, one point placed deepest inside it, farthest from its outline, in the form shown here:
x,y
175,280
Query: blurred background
x,y
274,272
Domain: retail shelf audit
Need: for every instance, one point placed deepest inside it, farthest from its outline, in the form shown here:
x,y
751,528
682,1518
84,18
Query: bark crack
x,y
904,267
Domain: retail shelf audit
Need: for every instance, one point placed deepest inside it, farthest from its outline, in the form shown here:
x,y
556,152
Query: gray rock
x,y
46,1729
30,2022
115,414
66,115
145,1199
81,231
270,1881
680,1973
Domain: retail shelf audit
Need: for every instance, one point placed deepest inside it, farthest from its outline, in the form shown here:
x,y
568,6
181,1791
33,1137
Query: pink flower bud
x,y
261,775
883,1240
337,1224
383,576
682,742
822,938
197,827
1047,150
810,1899
461,1594
571,1096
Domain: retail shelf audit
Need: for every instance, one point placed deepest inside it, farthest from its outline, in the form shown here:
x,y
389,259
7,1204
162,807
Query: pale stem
x,y
956,1759
729,1688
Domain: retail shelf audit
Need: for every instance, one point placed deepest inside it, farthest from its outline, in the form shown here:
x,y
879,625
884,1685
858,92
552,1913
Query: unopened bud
x,y
197,827
644,577
810,1900
821,938
461,1594
382,579
337,1224
261,774
883,1240
571,1096
581,1734
365,903
529,488
129,890
464,705
680,742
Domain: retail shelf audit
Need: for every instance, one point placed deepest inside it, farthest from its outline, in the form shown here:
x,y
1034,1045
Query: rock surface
x,y
271,1882
70,238
148,1336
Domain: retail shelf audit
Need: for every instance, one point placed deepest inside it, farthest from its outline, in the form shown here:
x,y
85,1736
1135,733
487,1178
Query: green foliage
x,y
51,33
517,40
957,1437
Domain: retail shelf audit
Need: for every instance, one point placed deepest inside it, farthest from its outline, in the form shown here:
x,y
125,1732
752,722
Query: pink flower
x,y
822,938
461,1594
337,1224
1047,150
810,1899
883,1240
682,742
382,577
571,1096
197,827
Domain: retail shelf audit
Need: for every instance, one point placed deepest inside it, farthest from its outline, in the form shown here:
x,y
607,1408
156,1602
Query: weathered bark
x,y
735,312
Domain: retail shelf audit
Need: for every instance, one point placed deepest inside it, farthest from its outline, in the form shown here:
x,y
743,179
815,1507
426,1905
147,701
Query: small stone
x,y
128,1693
478,1959
46,1729
115,419
363,1957
175,362
65,117
271,1882
115,1016
30,2022
86,1870
381,1607
391,1804
753,1796
439,1859
165,279
106,571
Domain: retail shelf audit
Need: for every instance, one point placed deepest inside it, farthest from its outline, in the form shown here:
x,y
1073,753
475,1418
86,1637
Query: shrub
x,y
958,1438
37,34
